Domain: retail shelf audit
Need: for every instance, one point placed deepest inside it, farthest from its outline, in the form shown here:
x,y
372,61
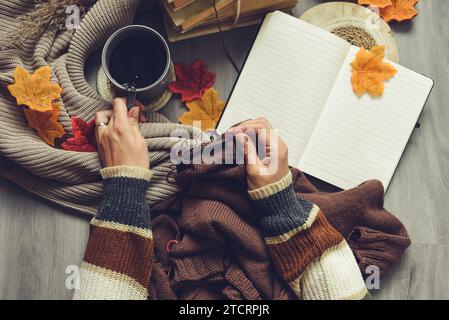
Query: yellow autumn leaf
x,y
35,90
399,10
369,71
45,123
207,110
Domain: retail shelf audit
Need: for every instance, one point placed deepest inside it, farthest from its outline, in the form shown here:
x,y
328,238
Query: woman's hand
x,y
120,142
274,166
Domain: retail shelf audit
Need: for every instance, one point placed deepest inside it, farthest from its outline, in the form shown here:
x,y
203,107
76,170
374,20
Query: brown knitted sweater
x,y
220,252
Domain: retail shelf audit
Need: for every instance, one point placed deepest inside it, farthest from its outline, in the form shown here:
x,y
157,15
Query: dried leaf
x,y
45,123
399,10
369,71
208,110
83,139
35,90
376,3
192,81
46,15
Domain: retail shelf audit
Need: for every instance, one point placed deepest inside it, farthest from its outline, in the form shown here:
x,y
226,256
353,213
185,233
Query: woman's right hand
x,y
119,140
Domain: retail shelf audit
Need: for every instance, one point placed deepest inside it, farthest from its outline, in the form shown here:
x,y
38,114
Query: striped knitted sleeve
x,y
307,251
119,255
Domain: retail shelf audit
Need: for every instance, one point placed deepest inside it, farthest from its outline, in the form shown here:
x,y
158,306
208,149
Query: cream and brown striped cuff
x,y
272,188
126,172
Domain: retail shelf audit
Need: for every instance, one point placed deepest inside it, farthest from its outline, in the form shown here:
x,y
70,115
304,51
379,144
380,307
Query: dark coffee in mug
x,y
138,60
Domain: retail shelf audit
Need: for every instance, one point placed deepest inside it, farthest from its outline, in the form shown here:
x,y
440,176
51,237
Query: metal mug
x,y
145,94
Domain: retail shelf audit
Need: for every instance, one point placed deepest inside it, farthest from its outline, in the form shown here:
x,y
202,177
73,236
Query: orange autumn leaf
x,y
208,110
35,90
45,123
376,3
369,71
399,10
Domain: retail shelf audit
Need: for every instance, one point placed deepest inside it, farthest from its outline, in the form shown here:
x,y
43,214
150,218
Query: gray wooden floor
x,y
38,241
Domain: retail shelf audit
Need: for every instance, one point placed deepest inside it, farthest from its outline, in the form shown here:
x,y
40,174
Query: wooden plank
x,y
37,243
421,274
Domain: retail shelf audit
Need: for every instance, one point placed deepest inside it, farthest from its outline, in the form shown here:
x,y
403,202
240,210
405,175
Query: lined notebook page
x,y
287,78
358,139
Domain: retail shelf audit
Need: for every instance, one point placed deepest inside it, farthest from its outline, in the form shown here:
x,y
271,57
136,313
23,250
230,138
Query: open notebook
x,y
299,77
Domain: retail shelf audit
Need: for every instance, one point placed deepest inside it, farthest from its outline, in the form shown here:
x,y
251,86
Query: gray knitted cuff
x,y
124,202
282,211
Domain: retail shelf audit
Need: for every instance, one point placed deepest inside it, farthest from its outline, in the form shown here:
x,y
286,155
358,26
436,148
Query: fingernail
x,y
135,112
236,130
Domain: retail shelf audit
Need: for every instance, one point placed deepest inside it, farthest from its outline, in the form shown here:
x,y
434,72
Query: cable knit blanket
x,y
70,179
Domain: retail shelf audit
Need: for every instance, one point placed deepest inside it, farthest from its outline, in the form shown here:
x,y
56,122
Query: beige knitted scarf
x,y
68,178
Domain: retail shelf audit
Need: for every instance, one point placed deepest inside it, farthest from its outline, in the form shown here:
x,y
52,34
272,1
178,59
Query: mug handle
x,y
131,99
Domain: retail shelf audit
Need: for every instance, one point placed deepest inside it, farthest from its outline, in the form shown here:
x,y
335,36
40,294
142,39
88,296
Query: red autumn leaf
x,y
192,81
83,139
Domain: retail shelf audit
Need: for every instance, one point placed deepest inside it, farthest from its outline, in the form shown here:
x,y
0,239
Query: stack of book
x,y
187,19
